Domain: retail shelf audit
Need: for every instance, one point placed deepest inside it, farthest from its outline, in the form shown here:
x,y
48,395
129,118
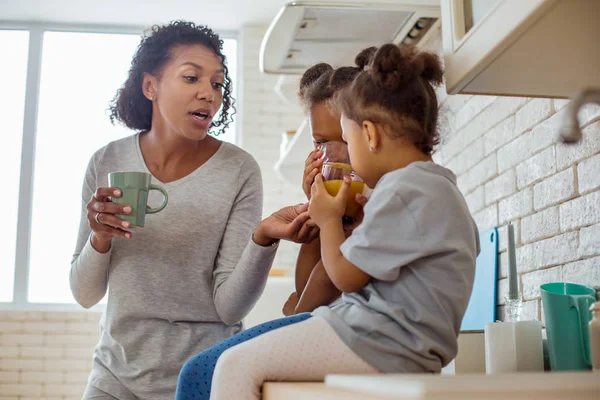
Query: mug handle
x,y
164,203
582,304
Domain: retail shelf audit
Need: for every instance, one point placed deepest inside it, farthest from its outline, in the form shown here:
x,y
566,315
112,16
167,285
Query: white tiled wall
x,y
509,166
46,355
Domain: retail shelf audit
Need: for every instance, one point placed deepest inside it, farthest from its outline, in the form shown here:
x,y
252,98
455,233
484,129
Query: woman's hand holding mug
x,y
101,216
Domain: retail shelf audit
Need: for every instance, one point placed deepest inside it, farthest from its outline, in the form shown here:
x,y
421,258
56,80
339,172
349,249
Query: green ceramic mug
x,y
134,192
567,313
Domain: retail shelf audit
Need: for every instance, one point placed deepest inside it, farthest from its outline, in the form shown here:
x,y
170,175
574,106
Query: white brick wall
x,y
541,225
500,187
46,355
516,206
580,211
588,241
554,190
588,174
536,168
550,191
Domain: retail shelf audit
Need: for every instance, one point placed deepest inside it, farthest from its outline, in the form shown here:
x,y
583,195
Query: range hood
x,y
305,33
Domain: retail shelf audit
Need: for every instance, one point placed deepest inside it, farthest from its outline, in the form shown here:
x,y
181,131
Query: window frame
x,y
30,115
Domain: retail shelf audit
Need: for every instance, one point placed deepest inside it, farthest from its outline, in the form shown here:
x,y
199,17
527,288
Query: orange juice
x,y
352,207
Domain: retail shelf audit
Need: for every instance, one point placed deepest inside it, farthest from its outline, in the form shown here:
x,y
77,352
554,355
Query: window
x,y
12,103
75,87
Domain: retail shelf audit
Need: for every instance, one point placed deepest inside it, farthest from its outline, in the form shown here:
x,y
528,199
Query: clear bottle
x,y
595,336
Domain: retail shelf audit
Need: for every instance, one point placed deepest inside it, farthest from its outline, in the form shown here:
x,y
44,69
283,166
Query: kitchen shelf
x,y
290,166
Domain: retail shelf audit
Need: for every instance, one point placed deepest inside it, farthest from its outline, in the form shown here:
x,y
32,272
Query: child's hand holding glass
x,y
325,207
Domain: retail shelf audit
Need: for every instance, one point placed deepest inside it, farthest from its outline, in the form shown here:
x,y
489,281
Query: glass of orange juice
x,y
333,177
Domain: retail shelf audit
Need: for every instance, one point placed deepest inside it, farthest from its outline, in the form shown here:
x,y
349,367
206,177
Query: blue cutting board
x,y
482,304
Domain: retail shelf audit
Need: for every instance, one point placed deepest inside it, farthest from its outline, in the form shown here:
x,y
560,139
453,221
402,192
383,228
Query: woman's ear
x,y
372,134
149,86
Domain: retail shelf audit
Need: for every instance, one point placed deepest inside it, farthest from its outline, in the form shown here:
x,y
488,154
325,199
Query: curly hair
x,y
396,89
321,81
131,107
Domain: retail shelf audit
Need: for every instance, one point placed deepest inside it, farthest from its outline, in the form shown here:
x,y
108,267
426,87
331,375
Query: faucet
x,y
569,131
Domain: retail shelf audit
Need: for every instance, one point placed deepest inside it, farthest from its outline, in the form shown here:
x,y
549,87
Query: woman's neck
x,y
170,156
163,149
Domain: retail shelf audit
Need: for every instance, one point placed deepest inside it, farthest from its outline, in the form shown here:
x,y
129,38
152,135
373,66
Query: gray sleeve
x,y
386,240
89,268
242,267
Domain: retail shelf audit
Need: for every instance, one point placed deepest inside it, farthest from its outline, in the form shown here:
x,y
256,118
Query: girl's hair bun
x,y
390,68
364,57
313,74
342,77
428,66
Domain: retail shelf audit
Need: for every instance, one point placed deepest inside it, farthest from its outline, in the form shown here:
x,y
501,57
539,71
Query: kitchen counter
x,y
516,386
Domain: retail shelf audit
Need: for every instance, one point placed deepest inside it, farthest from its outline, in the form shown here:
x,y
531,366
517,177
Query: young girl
x,y
318,85
406,272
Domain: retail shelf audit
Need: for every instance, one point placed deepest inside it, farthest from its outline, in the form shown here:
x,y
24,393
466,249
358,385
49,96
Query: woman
x,y
187,279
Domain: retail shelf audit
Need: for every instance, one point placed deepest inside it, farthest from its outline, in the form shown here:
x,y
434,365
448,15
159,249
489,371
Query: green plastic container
x,y
567,313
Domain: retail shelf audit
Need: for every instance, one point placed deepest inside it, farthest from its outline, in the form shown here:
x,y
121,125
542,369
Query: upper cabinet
x,y
534,48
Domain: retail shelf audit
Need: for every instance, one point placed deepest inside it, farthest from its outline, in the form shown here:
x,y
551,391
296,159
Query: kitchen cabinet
x,y
533,48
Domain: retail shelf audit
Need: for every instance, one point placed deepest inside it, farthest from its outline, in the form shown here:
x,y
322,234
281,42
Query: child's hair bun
x,y
342,76
394,67
429,67
312,75
390,68
364,57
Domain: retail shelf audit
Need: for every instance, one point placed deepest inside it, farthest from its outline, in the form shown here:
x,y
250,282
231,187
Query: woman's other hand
x,y
101,216
312,167
290,223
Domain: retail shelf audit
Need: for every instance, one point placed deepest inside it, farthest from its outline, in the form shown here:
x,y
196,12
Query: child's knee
x,y
230,359
236,375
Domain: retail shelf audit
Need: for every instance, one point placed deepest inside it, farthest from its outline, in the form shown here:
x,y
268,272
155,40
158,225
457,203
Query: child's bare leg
x,y
306,351
319,291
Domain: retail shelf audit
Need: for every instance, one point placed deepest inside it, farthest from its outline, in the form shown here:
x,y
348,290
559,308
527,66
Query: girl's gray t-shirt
x,y
419,244
183,282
